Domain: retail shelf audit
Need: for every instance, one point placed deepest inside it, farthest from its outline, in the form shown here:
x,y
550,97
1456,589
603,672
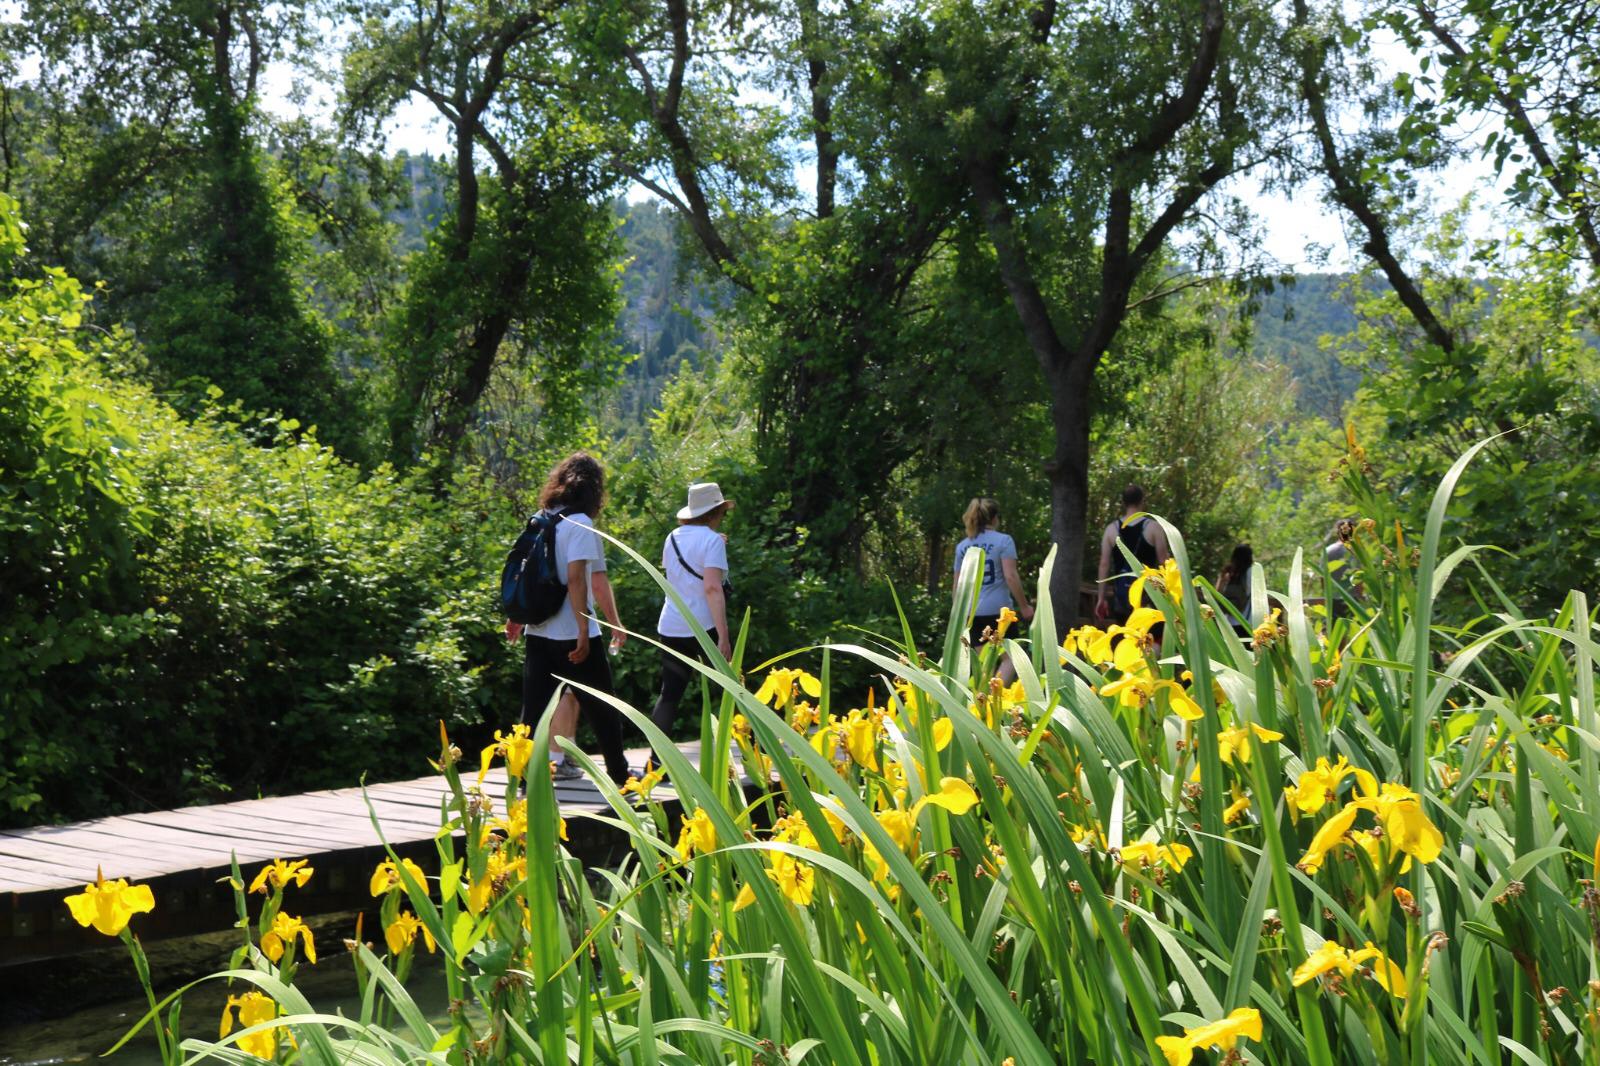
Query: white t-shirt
x,y
702,547
575,540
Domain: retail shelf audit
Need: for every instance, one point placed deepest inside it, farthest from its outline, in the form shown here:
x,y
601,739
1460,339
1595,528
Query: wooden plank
x,y
81,865
117,854
289,835
280,817
333,827
144,836
339,817
25,875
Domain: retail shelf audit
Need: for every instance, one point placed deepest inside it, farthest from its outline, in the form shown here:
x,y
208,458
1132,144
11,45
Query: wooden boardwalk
x,y
182,854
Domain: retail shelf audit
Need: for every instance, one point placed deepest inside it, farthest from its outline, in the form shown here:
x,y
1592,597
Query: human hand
x,y
513,631
1102,610
724,646
581,652
1027,613
618,639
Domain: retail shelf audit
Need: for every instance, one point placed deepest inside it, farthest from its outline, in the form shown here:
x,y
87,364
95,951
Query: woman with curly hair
x,y
566,646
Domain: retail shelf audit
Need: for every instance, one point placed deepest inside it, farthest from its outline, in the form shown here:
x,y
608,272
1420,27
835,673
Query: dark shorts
x,y
979,624
546,660
545,666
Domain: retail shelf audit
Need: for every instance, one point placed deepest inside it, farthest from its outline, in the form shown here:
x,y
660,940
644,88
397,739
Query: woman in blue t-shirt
x,y
1001,586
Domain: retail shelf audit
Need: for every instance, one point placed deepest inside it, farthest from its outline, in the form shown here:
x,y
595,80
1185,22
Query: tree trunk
x,y
489,332
1068,468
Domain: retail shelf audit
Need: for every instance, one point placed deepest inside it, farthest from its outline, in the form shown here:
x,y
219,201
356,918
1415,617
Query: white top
x,y
702,547
575,540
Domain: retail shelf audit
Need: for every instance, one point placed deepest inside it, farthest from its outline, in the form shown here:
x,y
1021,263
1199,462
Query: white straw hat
x,y
703,496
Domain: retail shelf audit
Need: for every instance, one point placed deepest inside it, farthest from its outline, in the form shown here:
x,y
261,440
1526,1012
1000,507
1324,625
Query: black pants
x,y
675,677
544,662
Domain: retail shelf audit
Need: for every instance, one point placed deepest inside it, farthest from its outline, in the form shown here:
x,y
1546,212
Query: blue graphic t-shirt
x,y
996,546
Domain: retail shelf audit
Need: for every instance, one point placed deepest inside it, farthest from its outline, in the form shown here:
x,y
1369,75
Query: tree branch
x,y
1356,196
1178,111
1561,179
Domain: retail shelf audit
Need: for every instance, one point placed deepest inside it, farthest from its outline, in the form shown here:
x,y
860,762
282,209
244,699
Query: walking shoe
x,y
567,771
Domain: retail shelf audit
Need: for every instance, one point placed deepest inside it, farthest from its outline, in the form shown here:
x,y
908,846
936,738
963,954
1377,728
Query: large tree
x,y
142,164
1088,137
713,105
522,268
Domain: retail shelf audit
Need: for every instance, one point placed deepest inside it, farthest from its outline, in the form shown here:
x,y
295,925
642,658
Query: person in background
x,y
694,558
566,646
1001,587
1142,535
1338,560
1234,583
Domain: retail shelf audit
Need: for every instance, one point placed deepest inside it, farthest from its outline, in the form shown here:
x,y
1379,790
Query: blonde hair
x,y
982,513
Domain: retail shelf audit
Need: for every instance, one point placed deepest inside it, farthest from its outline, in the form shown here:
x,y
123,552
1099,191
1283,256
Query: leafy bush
x,y
1344,840
189,613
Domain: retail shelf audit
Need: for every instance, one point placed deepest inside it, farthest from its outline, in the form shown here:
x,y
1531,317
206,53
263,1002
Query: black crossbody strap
x,y
672,539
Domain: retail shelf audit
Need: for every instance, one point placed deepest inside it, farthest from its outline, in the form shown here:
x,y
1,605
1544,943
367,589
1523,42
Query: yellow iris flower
x,y
253,1009
795,879
278,874
1231,742
1144,853
1318,786
403,931
861,730
1080,640
107,905
498,870
1399,811
778,689
1328,836
954,795
642,787
278,939
1241,1024
516,747
1008,618
1171,582
697,834
386,877
1332,957
802,716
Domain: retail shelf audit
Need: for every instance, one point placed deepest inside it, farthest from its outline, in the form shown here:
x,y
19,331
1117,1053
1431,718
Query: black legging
x,y
546,660
675,676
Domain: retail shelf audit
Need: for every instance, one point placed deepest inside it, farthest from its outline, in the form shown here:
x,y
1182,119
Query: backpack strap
x,y
672,539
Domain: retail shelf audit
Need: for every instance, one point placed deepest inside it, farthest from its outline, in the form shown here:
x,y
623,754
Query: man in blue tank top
x,y
1144,537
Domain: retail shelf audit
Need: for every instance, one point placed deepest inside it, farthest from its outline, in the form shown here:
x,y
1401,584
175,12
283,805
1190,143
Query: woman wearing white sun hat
x,y
695,560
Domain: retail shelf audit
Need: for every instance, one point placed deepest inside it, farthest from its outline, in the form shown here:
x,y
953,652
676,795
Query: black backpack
x,y
531,589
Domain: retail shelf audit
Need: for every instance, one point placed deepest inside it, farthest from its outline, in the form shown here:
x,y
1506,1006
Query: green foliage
x,y
1523,371
139,155
188,612
1195,435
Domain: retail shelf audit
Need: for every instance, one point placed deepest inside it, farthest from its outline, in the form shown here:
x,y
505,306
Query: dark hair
x,y
577,484
1239,563
706,519
1132,496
